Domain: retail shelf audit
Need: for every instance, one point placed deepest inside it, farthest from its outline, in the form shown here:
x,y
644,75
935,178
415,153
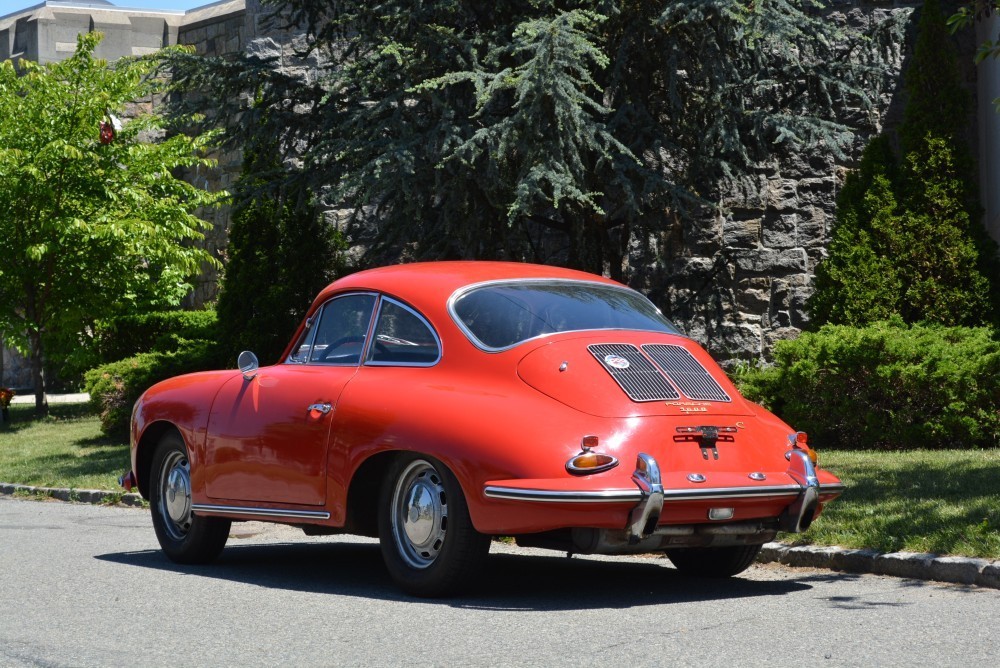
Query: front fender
x,y
183,404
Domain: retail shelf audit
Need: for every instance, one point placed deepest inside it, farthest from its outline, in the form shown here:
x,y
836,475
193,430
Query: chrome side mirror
x,y
248,364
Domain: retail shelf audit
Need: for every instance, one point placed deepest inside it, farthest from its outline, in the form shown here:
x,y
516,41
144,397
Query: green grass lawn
x,y
940,501
945,502
66,449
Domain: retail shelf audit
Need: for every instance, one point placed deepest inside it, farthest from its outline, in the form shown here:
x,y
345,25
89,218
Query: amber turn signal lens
x,y
591,462
800,440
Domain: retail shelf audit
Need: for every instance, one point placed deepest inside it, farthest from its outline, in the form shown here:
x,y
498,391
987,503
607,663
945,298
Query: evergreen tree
x,y
280,254
907,240
858,282
548,130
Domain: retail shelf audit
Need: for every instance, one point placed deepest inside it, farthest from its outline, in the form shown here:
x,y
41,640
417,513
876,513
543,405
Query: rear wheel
x,y
428,542
185,537
714,562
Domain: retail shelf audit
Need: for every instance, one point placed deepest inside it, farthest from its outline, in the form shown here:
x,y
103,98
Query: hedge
x,y
162,331
885,386
115,387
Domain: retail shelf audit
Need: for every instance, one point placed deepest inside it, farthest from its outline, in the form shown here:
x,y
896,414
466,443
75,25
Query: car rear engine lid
x,y
627,378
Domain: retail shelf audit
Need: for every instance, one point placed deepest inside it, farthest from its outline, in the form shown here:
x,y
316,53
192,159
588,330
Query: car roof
x,y
434,282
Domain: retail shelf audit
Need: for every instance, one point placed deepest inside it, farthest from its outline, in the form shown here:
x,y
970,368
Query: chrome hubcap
x,y
419,514
175,495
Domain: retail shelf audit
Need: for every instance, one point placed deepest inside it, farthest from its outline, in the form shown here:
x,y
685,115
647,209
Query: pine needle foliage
x,y
545,130
907,241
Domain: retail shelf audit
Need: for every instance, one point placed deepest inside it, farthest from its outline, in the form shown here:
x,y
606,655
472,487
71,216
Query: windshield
x,y
497,316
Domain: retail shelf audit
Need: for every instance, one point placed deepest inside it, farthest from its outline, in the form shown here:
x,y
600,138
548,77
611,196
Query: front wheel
x,y
713,562
428,542
186,538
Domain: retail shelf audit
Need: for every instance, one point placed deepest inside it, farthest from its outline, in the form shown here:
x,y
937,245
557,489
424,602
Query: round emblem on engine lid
x,y
616,362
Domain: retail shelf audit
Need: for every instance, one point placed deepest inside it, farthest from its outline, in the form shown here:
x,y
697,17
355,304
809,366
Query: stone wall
x,y
219,34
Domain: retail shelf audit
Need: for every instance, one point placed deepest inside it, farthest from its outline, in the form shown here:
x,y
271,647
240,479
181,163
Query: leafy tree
x,y
967,14
89,229
544,130
906,241
281,253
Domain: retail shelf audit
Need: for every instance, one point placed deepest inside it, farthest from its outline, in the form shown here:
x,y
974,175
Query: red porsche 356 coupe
x,y
437,405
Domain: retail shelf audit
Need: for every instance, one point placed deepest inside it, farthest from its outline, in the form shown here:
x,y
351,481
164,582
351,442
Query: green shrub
x,y
885,386
160,331
116,386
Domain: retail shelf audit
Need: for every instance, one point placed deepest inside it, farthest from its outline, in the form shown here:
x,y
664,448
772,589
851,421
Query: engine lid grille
x,y
633,372
686,372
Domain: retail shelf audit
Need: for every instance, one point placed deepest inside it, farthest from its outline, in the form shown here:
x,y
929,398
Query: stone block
x,y
989,576
813,228
741,233
915,565
957,569
779,231
809,556
771,552
855,561
770,261
782,195
703,237
264,48
728,340
753,301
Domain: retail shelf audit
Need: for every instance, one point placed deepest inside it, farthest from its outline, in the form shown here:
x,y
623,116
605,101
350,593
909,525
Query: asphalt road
x,y
83,585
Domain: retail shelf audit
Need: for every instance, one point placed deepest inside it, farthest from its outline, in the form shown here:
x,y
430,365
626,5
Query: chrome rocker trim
x,y
262,512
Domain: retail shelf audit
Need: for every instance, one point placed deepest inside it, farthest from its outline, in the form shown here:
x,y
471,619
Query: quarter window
x,y
402,337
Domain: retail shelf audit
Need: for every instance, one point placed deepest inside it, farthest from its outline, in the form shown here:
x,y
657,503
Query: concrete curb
x,y
910,565
76,495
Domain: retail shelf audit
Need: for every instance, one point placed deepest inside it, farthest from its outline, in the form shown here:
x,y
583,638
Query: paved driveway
x,y
83,585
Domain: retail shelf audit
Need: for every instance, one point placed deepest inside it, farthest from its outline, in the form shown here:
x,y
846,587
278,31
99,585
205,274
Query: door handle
x,y
322,408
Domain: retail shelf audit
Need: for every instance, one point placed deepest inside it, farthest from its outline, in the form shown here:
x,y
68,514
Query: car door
x,y
268,436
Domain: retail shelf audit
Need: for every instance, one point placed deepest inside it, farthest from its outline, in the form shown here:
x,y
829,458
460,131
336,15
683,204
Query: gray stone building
x,y
737,282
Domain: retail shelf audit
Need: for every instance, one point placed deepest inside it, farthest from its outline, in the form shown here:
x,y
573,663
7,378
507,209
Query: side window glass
x,y
403,337
340,333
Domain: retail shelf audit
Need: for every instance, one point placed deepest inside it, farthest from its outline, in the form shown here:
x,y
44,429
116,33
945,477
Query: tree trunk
x,y
38,373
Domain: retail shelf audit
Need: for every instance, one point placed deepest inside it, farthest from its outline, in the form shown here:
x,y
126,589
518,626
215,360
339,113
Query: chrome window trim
x,y
263,512
309,339
318,316
374,326
462,291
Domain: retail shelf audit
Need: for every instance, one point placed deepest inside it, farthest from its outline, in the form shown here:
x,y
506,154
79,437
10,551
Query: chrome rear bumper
x,y
796,518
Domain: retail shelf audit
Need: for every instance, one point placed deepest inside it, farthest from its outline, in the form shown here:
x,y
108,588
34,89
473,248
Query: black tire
x,y
186,538
429,545
714,562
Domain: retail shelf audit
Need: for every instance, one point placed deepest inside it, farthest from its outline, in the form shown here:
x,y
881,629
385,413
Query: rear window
x,y
497,316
